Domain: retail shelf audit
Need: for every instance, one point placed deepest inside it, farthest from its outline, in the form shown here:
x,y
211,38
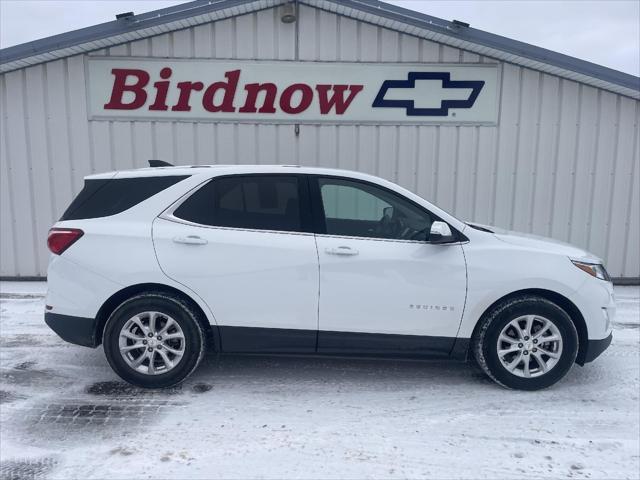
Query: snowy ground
x,y
64,414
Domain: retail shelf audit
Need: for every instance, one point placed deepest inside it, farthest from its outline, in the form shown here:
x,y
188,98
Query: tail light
x,y
60,239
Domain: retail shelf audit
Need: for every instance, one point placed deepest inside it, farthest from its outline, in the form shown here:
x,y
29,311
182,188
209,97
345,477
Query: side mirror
x,y
440,233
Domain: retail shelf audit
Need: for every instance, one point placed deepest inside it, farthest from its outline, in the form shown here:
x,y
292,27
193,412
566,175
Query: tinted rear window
x,y
104,197
265,202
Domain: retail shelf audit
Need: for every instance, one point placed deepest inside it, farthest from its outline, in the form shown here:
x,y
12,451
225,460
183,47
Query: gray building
x,y
491,129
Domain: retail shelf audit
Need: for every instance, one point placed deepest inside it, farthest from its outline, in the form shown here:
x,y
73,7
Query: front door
x,y
383,288
242,244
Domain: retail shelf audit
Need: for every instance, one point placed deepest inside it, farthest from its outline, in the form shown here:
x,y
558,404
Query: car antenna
x,y
159,163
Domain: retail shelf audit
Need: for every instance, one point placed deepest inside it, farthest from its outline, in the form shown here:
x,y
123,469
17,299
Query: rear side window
x,y
104,197
265,202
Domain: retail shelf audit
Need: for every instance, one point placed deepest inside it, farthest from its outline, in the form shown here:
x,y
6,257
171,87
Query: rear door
x,y
243,243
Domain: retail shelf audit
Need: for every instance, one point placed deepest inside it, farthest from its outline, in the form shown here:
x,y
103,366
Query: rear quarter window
x,y
105,197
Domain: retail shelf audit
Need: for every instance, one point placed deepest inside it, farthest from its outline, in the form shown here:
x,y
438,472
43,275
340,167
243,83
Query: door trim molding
x,y
323,342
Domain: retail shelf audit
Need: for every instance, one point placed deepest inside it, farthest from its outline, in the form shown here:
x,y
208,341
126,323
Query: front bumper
x,y
78,330
593,349
596,301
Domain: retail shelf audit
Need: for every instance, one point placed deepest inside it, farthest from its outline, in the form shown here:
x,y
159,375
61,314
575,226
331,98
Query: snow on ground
x,y
64,414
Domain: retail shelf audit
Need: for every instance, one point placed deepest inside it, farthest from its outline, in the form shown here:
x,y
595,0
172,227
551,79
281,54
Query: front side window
x,y
258,202
357,209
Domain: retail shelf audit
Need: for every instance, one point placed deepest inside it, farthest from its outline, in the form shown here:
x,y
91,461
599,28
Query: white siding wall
x,y
563,162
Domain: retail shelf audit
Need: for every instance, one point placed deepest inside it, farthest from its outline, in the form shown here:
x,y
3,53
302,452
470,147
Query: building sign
x,y
295,92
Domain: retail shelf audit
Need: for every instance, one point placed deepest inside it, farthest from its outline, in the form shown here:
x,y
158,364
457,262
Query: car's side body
x,y
307,291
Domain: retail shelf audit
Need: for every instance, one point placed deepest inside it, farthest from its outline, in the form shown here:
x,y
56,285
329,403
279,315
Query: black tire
x,y
176,308
485,341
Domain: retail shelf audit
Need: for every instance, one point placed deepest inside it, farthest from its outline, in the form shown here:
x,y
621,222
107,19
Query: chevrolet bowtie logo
x,y
475,86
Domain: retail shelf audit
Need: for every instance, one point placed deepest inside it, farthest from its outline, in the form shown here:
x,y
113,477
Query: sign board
x,y
294,92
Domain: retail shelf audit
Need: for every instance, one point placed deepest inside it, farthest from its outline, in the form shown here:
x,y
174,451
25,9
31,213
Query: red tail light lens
x,y
60,239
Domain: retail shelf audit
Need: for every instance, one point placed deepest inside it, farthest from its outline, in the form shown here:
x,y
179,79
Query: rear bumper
x,y
594,349
78,330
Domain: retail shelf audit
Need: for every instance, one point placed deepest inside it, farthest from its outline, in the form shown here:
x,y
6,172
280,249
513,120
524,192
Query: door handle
x,y
342,250
190,240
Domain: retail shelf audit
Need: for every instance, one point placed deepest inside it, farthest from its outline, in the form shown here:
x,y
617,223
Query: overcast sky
x,y
605,32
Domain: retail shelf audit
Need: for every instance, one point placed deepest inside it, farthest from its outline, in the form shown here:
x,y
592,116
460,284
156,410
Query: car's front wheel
x,y
154,340
526,343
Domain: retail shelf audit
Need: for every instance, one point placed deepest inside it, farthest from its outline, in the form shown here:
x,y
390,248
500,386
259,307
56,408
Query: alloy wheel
x,y
151,343
529,346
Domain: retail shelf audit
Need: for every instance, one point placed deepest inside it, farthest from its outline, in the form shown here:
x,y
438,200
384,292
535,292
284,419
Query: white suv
x,y
158,264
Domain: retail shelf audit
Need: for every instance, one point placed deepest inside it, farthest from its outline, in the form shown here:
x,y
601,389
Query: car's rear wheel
x,y
526,343
154,340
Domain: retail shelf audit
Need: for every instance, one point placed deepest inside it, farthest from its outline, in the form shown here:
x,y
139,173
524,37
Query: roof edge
x,y
491,40
115,27
466,38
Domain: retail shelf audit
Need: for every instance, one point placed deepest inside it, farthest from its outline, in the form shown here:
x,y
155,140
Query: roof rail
x,y
159,163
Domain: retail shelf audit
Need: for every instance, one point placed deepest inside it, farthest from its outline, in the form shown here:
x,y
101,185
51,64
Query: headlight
x,y
593,269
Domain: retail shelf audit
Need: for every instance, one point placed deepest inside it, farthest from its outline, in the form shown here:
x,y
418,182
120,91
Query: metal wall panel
x,y
562,162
